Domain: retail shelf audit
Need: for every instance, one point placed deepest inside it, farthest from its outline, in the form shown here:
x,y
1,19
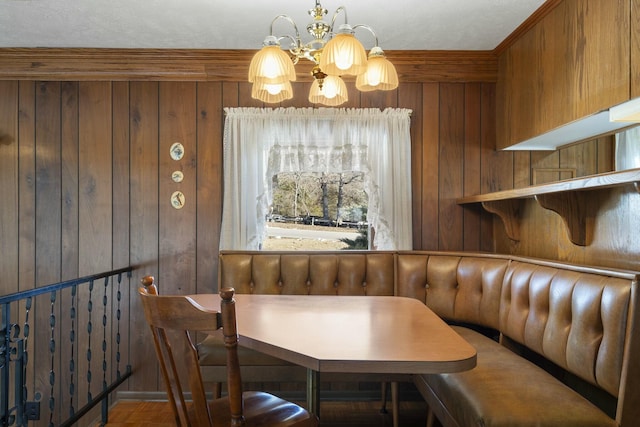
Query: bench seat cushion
x,y
505,389
211,351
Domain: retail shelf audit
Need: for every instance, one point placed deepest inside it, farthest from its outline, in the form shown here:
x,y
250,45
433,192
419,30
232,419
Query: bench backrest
x,y
458,287
584,320
576,318
308,273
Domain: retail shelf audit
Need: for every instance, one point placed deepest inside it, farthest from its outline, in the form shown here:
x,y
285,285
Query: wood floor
x,y
333,414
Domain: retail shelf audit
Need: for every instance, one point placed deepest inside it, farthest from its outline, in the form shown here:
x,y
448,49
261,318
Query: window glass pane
x,y
317,211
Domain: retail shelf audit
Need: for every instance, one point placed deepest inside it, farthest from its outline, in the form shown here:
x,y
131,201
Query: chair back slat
x,y
173,320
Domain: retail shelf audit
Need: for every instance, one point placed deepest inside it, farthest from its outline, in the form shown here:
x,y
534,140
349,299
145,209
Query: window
x,y
261,143
317,211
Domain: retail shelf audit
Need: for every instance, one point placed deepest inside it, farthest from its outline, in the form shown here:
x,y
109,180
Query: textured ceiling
x,y
224,24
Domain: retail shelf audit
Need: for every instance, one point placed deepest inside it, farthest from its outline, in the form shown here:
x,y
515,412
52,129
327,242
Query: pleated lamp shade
x,y
380,74
271,65
272,93
343,55
334,92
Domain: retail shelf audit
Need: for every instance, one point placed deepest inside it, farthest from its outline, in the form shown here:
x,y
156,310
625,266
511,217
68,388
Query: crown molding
x,y
83,64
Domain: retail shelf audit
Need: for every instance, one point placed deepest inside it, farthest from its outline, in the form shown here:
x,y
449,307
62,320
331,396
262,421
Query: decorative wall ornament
x,y
176,151
177,200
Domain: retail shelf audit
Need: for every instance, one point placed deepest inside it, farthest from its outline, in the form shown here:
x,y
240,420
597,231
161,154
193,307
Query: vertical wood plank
x,y
121,178
487,149
9,225
606,149
581,157
497,169
209,185
230,95
70,150
300,95
451,167
379,99
472,164
430,165
522,169
95,175
143,188
545,160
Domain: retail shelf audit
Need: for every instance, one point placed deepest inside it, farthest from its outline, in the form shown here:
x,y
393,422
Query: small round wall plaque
x,y
177,199
176,151
177,176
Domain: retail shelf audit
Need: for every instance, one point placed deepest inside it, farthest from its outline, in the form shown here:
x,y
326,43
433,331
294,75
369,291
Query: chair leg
x,y
395,404
429,417
383,409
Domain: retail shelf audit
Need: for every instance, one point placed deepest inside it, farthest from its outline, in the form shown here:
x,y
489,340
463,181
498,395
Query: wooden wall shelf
x,y
567,198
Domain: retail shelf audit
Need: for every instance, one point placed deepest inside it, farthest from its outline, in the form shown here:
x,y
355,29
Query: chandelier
x,y
334,54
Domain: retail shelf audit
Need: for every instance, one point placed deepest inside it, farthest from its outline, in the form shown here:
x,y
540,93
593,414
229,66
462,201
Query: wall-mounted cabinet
x,y
573,64
635,49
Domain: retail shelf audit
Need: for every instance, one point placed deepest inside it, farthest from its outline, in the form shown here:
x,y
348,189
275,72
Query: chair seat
x,y
262,410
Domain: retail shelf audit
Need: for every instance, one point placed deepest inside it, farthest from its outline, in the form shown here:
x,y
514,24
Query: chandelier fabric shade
x,y
334,54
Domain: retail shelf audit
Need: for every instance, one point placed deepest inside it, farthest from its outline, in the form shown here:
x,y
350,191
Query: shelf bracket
x,y
572,208
509,212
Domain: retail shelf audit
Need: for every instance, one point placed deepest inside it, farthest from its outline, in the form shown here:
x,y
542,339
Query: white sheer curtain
x,y
261,142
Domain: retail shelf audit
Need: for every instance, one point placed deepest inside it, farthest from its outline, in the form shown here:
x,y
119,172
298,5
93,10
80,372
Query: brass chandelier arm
x,y
297,41
366,27
335,15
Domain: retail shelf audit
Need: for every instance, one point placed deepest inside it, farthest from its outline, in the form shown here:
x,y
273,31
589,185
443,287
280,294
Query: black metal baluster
x,y
118,315
15,407
72,361
26,332
89,330
52,352
105,300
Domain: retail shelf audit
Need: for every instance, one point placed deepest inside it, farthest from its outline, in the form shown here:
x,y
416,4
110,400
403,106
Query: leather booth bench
x,y
558,344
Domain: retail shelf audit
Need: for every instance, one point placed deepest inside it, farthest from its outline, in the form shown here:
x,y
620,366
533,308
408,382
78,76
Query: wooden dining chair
x,y
173,321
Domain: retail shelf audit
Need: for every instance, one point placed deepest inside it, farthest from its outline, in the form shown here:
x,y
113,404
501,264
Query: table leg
x,y
313,392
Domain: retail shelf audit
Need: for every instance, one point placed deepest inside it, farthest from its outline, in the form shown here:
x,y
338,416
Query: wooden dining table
x,y
348,334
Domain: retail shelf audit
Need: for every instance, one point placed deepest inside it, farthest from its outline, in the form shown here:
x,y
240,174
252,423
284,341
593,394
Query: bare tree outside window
x,y
318,211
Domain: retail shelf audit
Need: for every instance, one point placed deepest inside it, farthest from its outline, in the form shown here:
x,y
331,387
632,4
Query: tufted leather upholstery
x,y
457,287
309,273
582,320
577,320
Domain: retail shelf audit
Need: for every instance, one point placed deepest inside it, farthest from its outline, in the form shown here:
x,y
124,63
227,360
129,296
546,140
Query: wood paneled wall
x,y
85,180
615,241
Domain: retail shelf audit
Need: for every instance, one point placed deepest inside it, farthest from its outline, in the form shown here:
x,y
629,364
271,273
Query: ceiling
x,y
238,24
